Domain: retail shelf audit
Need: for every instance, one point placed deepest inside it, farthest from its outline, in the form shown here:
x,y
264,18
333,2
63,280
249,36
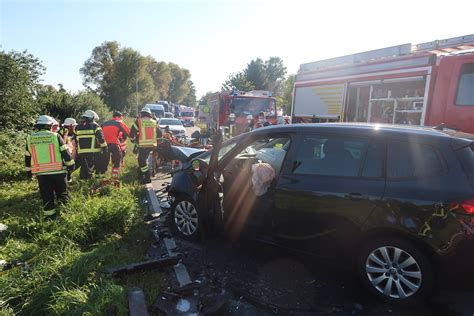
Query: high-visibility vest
x,y
45,153
87,134
146,132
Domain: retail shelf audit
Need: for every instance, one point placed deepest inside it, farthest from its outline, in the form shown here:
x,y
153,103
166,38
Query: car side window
x,y
269,150
375,161
330,156
413,160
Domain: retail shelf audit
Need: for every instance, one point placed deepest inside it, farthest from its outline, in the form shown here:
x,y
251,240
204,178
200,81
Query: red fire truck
x,y
239,110
426,84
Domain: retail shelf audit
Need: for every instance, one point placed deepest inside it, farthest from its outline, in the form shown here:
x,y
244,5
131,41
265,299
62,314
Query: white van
x,y
157,109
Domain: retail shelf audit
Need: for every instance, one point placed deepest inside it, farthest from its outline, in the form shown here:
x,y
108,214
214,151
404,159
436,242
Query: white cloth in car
x,y
262,176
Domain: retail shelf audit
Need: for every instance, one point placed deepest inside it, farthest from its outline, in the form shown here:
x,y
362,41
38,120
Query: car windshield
x,y
186,114
243,106
164,122
158,113
222,152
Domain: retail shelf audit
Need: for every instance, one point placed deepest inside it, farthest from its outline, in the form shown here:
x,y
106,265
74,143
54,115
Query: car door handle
x,y
354,196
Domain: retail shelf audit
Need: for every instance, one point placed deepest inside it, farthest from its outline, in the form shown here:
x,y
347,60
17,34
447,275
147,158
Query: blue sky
x,y
214,38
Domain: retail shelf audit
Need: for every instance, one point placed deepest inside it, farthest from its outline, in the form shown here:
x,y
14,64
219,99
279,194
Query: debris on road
x,y
136,302
146,265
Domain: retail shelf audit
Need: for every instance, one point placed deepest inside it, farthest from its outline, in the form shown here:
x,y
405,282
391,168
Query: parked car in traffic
x,y
395,200
175,125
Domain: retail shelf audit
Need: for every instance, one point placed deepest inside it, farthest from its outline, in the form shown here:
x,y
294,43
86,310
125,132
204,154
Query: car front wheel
x,y
185,218
395,271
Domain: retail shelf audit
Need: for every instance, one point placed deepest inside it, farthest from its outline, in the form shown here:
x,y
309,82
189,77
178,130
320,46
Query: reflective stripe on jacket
x,y
146,132
45,152
90,138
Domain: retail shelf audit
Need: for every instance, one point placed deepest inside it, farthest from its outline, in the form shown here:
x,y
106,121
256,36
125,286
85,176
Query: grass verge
x,y
66,257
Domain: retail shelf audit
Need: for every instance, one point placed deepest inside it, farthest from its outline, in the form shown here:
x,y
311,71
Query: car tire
x,y
395,271
185,219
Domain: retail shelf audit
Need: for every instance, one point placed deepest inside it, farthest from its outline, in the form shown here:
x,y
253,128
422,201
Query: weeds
x,y
66,257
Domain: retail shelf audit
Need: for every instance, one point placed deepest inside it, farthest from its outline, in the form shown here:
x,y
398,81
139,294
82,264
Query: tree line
x,y
115,78
126,79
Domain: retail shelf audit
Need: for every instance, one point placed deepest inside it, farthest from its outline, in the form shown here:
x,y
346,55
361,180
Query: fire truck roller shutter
x,y
320,101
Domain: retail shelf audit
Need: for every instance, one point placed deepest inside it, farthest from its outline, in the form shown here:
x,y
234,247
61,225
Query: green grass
x,y
66,257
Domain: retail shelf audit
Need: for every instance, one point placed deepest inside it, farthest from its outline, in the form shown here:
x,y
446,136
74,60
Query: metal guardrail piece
x,y
146,265
136,302
182,275
154,208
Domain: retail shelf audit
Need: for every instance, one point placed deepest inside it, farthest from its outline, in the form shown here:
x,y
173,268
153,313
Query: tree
x,y
256,74
237,81
190,99
19,81
98,69
161,75
285,100
133,86
126,80
259,75
275,72
178,87
206,99
121,76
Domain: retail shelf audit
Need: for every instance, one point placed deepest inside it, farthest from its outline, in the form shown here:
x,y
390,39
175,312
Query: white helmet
x,y
146,110
70,122
45,120
90,115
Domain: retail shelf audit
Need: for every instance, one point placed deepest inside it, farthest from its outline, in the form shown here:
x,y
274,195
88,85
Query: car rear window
x,y
466,156
413,160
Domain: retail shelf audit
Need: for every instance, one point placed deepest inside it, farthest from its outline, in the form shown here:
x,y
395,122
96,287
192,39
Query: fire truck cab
x,y
237,111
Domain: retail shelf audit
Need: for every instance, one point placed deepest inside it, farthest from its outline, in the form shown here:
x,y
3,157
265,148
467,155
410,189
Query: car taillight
x,y
466,207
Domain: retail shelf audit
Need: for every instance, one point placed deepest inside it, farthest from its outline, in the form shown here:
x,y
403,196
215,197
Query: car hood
x,y
175,127
183,153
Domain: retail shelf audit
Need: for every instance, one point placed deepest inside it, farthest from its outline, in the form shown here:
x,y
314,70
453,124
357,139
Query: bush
x,y
12,151
61,104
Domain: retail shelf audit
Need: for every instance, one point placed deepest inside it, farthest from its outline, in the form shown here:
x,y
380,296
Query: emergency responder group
x,y
53,152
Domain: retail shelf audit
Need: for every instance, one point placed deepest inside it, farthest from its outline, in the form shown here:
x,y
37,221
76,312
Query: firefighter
x,y
262,121
115,131
123,149
91,146
55,126
144,134
168,135
47,158
67,133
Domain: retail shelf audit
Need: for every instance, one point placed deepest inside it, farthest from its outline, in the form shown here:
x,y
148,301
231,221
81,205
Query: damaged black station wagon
x,y
396,200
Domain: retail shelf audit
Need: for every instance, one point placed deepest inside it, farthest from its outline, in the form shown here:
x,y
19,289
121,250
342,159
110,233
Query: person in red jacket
x,y
115,130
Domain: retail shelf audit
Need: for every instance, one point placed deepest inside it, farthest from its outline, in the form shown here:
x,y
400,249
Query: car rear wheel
x,y
185,218
395,270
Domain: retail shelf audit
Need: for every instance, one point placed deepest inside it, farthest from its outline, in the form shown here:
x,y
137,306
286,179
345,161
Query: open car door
x,y
210,195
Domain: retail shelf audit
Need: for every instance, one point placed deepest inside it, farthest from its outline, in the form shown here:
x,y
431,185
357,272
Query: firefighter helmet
x,y
45,120
146,110
90,115
70,122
